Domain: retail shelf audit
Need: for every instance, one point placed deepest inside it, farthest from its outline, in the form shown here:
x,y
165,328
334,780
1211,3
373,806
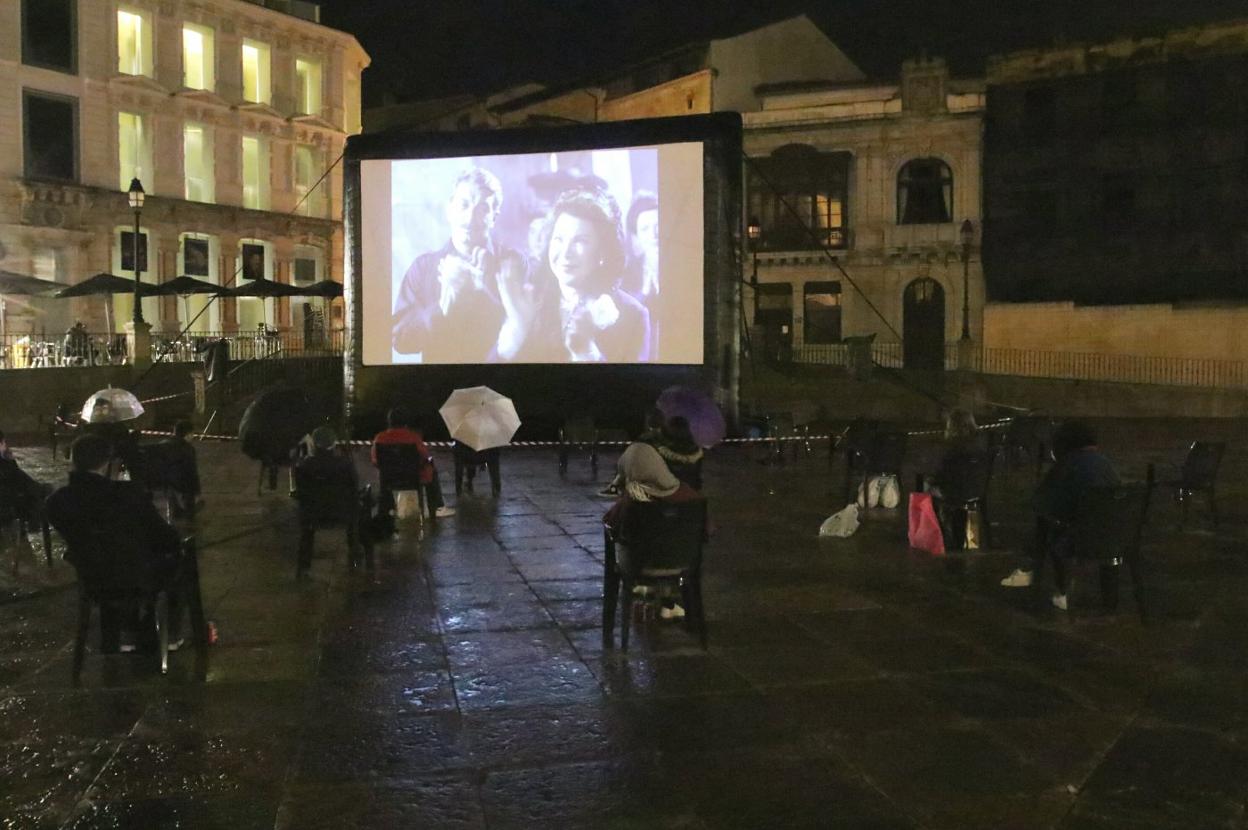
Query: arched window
x,y
924,192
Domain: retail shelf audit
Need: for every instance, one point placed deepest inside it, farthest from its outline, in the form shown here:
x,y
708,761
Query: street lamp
x,y
968,236
136,196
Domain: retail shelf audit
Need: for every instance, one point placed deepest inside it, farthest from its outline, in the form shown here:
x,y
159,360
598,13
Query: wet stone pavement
x,y
849,683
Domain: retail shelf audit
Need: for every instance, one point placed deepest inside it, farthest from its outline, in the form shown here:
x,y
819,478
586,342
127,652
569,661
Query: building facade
x,y
1117,173
860,193
231,114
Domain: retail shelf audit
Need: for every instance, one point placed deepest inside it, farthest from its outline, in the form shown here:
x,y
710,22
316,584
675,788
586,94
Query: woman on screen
x,y
576,311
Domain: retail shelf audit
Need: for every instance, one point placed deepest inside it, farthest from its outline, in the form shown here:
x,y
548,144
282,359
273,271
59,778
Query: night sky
x,y
429,48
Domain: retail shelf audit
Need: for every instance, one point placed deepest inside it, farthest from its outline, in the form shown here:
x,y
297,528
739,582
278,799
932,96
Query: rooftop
x,y
296,8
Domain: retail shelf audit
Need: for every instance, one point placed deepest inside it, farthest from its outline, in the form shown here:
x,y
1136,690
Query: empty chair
x,y
578,433
656,542
401,469
1199,474
1108,533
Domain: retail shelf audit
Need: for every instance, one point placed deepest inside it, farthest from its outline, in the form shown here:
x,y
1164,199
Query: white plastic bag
x,y
841,524
406,504
873,492
890,493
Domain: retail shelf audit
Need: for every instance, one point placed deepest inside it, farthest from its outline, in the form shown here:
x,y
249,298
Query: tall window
x,y
257,86
308,73
309,201
134,42
822,312
50,136
255,263
197,159
255,173
198,58
50,35
198,258
924,193
800,195
134,150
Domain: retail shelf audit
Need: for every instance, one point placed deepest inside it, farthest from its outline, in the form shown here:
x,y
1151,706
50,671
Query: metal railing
x,y
34,351
250,345
1112,368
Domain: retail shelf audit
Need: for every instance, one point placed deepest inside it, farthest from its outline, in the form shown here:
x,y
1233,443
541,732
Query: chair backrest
x,y
580,430
324,494
859,437
887,453
1110,521
661,534
1200,468
400,465
966,477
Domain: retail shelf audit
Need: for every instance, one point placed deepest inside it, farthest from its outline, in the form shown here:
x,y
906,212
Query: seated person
x,y
681,452
652,434
1079,467
326,468
178,469
646,477
24,494
467,460
400,430
115,538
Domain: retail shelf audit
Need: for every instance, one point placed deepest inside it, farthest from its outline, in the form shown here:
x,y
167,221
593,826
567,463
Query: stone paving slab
x,y
849,683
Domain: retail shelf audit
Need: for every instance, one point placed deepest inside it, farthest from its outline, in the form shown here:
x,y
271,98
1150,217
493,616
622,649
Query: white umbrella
x,y
480,417
109,406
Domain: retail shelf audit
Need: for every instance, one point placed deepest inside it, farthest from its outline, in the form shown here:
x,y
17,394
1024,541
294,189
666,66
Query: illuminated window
x,y
134,150
134,43
256,81
308,73
924,193
198,58
197,159
799,196
255,173
309,199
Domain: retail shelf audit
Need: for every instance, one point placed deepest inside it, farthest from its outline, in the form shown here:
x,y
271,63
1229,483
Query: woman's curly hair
x,y
597,206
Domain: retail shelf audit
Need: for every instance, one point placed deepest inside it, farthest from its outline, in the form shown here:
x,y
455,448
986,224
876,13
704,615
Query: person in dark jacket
x,y
178,469
681,452
325,478
1080,467
22,494
115,538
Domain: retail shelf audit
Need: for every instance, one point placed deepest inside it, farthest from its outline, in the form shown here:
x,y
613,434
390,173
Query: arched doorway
x,y
923,325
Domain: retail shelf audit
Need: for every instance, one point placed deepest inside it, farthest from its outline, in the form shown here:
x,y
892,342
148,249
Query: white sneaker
x,y
444,512
673,613
1018,579
1059,602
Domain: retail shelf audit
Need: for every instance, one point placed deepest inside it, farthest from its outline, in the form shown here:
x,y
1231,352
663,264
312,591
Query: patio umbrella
x,y
20,284
706,421
480,417
111,406
103,285
264,289
329,289
184,286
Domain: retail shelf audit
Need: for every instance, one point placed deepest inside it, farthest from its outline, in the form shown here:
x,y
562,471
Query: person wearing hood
x,y
678,448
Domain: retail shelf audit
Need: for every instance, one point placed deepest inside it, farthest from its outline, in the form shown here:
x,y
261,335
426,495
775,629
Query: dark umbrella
x,y
103,284
185,286
706,421
329,289
274,423
264,288
11,283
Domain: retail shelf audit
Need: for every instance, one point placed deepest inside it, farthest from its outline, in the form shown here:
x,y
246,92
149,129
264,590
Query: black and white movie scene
x,y
538,258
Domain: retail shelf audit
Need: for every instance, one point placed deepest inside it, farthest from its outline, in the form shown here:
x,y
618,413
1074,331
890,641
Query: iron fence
x,y
26,351
40,351
886,355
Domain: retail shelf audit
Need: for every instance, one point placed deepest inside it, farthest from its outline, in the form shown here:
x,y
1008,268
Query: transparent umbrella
x,y
111,406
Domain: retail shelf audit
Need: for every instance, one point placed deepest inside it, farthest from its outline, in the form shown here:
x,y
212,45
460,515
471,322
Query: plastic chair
x,y
328,501
1199,474
400,467
657,542
578,433
184,586
1028,437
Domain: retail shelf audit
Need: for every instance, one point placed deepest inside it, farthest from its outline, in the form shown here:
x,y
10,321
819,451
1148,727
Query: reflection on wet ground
x,y
849,683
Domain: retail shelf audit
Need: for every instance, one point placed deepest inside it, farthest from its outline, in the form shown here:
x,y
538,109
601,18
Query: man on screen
x,y
448,308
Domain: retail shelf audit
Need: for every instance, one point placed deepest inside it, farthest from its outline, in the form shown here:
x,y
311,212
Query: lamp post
x,y
136,196
968,236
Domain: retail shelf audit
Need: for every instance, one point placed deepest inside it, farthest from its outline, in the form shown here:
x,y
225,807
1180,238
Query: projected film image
x,y
589,256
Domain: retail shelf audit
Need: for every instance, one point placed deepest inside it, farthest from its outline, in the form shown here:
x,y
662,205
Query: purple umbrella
x,y
699,409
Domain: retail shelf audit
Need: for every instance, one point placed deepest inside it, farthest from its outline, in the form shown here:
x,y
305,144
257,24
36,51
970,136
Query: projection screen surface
x,y
584,256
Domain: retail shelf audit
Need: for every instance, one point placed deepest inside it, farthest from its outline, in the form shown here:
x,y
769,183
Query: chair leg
x,y
47,540
626,615
195,605
80,641
1182,510
610,590
161,615
1109,586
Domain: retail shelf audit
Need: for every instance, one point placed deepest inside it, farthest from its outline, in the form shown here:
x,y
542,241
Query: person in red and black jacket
x,y
401,430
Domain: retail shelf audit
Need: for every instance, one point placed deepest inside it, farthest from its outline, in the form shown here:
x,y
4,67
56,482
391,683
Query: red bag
x,y
925,534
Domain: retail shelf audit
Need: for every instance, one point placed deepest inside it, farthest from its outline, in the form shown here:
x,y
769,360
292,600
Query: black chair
x,y
578,433
1199,474
468,461
23,509
328,502
182,589
657,542
1108,533
964,485
1027,439
856,441
883,455
400,467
